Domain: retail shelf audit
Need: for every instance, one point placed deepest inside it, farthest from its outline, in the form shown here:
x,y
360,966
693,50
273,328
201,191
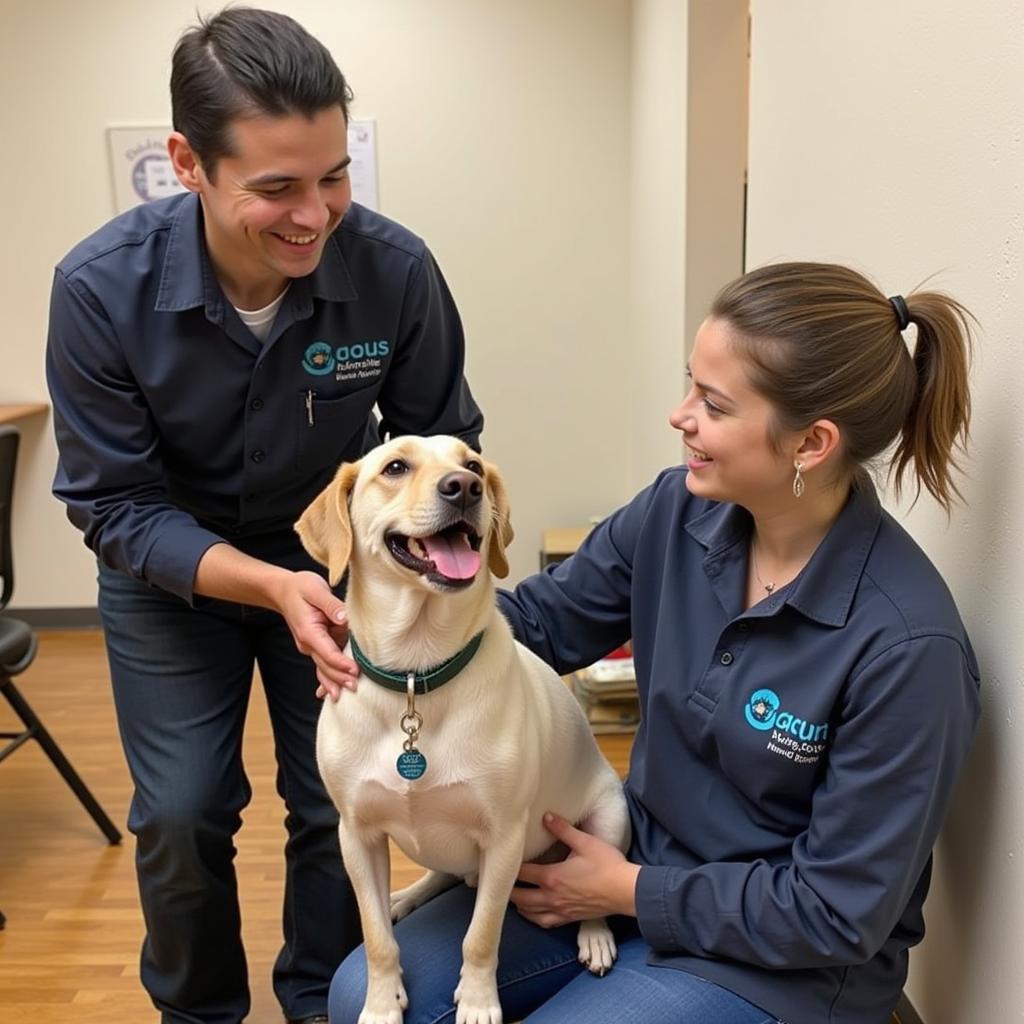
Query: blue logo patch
x,y
762,708
318,359
321,357
763,713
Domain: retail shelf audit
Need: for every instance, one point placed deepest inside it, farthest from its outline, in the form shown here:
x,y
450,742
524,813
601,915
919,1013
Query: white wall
x,y
503,130
889,136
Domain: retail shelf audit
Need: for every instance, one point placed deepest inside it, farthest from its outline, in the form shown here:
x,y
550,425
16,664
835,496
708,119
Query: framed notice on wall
x,y
141,170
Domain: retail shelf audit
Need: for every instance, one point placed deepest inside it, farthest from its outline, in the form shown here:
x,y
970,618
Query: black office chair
x,y
18,650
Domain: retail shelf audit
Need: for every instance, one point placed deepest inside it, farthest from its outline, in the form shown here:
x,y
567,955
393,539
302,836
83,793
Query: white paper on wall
x,y
362,147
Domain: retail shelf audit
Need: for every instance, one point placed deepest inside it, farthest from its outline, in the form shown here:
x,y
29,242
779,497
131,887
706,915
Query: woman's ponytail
x,y
937,422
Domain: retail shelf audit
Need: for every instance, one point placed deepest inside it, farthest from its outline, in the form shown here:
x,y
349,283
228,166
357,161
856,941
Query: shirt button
x,y
257,404
258,456
743,627
726,658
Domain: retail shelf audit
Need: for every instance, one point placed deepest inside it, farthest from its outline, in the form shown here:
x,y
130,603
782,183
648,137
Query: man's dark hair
x,y
245,62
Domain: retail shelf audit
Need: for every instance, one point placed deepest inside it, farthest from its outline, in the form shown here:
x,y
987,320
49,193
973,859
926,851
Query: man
x,y
212,357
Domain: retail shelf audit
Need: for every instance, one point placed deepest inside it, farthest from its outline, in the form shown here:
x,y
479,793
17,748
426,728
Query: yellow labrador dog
x,y
457,739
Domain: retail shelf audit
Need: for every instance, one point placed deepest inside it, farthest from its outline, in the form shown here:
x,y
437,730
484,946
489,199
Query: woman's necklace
x,y
768,587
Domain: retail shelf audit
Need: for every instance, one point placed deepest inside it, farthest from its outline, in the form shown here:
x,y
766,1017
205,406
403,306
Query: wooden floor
x,y
69,953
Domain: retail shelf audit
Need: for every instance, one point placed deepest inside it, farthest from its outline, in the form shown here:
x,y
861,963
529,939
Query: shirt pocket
x,y
332,430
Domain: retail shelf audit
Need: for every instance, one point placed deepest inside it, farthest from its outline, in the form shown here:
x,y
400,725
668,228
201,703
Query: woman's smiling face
x,y
726,425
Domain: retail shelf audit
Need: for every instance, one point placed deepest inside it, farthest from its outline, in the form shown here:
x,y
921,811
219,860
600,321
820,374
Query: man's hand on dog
x,y
595,880
319,625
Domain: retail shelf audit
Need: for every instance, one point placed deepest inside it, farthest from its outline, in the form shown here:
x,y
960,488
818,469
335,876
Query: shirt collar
x,y
825,589
187,279
185,261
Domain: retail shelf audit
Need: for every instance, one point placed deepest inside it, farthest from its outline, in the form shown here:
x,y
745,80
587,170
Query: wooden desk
x,y
10,412
560,542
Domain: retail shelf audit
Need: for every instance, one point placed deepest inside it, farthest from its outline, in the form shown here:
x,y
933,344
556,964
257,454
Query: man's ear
x,y
325,529
186,164
501,525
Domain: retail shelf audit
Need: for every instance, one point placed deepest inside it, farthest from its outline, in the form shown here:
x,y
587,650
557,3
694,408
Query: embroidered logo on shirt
x,y
319,359
791,737
359,360
761,709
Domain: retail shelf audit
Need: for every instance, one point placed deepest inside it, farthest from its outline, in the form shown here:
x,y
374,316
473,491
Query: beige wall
x,y
546,151
687,147
716,151
889,136
657,154
502,135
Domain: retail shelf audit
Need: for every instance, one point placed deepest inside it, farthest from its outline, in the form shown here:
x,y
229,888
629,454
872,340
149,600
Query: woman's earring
x,y
798,480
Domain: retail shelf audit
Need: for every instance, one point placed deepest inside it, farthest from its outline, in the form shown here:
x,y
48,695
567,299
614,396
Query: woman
x,y
809,693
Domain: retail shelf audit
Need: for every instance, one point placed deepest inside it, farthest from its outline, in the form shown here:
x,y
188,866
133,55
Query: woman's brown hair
x,y
822,342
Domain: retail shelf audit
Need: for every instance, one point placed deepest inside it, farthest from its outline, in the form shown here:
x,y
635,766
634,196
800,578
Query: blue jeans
x,y
539,977
182,678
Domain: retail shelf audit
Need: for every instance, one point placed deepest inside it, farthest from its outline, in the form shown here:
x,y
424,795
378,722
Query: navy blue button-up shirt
x,y
177,428
795,760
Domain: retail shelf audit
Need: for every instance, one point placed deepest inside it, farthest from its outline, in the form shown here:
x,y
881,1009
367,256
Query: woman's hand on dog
x,y
319,625
595,880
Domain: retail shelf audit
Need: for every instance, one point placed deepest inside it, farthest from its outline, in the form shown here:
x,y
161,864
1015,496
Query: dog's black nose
x,y
461,489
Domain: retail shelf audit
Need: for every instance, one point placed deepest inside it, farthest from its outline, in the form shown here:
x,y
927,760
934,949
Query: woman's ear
x,y
818,444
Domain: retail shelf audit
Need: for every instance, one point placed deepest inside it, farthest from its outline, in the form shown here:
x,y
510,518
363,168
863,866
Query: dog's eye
x,y
396,467
474,467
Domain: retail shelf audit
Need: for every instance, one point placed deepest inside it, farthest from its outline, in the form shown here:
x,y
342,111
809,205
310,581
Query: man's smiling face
x,y
271,205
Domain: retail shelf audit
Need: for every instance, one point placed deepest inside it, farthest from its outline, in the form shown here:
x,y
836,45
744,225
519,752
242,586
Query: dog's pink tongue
x,y
452,556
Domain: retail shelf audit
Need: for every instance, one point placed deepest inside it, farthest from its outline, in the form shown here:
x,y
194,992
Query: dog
x,y
460,771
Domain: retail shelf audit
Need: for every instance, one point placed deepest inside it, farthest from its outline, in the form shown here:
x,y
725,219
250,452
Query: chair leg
x,y
61,763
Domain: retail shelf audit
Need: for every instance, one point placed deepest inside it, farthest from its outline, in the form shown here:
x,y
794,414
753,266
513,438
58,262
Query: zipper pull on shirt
x,y
309,406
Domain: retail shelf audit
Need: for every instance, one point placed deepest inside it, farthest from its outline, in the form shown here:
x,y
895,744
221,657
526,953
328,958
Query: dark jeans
x,y
181,679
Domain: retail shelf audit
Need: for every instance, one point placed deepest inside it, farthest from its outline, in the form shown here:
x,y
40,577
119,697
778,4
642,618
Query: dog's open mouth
x,y
451,557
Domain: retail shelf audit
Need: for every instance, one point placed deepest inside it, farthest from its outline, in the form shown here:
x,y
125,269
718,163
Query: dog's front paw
x,y
385,1001
597,946
477,999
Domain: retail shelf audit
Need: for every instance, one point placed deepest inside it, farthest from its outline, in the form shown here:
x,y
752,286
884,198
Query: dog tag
x,y
411,764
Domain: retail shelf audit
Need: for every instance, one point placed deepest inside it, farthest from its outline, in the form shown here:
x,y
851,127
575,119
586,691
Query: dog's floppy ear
x,y
324,528
501,525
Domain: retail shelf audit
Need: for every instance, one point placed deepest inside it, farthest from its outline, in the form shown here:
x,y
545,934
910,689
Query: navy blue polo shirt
x,y
177,428
795,760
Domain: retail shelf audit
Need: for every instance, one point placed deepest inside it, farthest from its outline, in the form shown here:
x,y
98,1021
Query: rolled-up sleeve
x,y
109,473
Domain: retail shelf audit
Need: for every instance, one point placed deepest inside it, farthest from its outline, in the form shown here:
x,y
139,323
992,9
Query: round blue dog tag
x,y
411,764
